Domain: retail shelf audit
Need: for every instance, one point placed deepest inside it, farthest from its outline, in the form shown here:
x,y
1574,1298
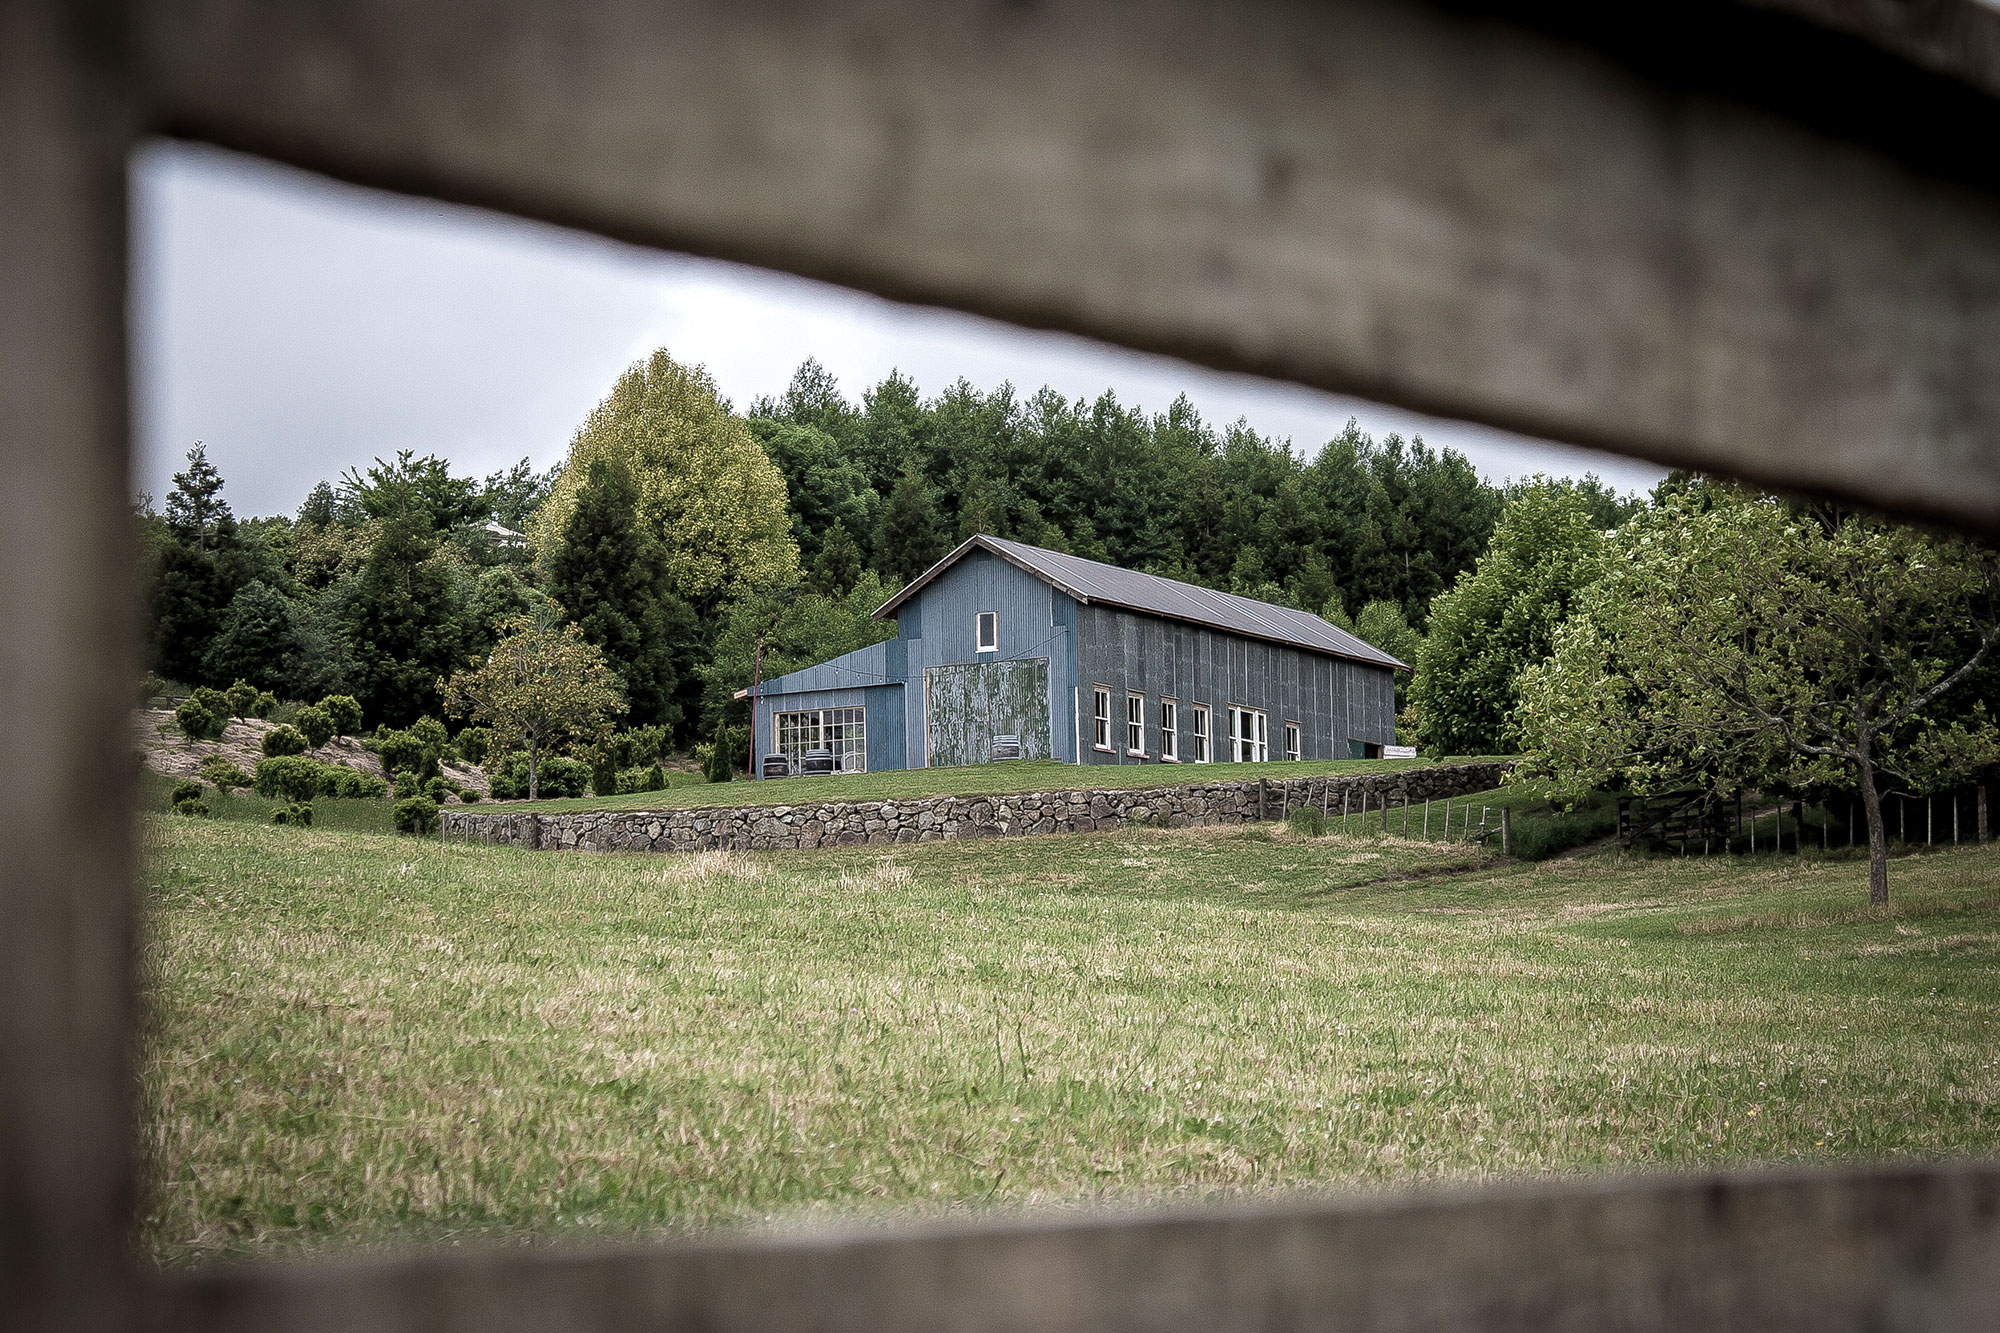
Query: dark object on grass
x,y
777,766
814,762
1007,747
187,789
194,808
297,815
416,814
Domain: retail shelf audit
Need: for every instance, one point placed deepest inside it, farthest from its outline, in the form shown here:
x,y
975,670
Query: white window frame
x,y
979,640
1100,719
1249,735
1170,731
1135,725
1294,738
812,728
1198,732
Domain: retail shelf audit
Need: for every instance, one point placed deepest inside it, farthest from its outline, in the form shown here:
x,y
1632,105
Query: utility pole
x,y
756,679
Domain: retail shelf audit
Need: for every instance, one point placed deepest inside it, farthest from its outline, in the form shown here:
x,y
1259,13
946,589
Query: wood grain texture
x,y
1426,204
67,668
1892,1250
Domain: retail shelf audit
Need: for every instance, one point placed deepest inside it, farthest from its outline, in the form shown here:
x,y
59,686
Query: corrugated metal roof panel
x,y
1095,581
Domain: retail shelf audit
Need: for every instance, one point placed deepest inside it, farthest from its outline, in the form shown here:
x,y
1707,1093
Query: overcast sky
x,y
300,327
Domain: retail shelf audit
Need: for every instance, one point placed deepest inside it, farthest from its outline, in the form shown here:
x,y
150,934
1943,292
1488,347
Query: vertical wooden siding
x,y
1332,699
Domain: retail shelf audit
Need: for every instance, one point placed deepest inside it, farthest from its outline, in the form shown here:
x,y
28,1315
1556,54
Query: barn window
x,y
1135,724
1249,735
989,631
844,731
1291,740
1170,731
1100,716
1198,733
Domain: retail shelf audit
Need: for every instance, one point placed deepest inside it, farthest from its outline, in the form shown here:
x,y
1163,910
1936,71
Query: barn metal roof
x,y
1095,581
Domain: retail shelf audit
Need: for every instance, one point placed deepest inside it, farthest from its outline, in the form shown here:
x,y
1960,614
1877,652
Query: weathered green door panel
x,y
966,706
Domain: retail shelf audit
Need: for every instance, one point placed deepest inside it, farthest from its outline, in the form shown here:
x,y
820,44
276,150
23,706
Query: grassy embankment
x,y
973,780
355,1039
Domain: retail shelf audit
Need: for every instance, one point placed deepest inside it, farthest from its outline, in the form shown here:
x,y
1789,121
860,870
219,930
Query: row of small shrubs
x,y
296,778
559,776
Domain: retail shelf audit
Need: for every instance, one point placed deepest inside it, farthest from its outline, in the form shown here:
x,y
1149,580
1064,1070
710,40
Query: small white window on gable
x,y
989,631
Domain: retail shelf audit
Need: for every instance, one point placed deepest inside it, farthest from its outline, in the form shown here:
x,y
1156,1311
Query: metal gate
x,y
966,706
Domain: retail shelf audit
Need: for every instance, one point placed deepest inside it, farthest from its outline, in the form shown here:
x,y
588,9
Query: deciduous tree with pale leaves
x,y
1735,639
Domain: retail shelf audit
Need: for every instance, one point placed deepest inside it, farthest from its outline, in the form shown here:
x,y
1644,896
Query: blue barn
x,y
1084,662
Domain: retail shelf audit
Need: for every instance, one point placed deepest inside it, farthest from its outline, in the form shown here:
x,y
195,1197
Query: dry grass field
x,y
354,1039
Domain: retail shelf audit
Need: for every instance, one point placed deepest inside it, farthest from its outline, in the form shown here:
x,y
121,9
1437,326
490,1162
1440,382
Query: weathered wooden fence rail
x,y
1819,1252
1741,237
936,818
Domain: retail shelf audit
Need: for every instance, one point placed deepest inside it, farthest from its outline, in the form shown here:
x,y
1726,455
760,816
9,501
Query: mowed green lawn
x,y
355,1039
972,780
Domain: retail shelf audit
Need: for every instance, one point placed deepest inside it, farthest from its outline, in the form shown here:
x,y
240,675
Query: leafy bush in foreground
x,y
298,814
284,741
343,712
224,775
416,814
559,777
187,789
290,778
314,725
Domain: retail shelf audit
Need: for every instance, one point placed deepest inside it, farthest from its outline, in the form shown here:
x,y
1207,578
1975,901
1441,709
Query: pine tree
x,y
607,575
257,641
977,512
195,505
405,625
839,565
199,570
909,542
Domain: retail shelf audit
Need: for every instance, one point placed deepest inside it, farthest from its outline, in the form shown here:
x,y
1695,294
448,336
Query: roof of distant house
x,y
1094,581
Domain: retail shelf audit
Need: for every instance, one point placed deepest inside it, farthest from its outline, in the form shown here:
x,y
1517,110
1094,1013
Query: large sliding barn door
x,y
966,706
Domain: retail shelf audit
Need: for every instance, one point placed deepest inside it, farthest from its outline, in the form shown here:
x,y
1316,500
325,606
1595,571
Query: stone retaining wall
x,y
933,818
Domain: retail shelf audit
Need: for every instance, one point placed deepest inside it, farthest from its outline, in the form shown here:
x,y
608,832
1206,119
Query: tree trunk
x,y
534,783
1878,836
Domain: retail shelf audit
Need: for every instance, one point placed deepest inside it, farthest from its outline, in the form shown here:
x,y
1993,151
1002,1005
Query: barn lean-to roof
x,y
1094,581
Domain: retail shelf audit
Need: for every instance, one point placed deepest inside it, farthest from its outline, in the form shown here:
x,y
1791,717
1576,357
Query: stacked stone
x,y
936,818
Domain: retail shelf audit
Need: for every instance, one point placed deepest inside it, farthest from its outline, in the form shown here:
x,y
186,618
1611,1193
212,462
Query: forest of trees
x,y
677,534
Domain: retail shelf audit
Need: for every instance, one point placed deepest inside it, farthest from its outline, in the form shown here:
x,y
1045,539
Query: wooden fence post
x,y
1982,816
1506,830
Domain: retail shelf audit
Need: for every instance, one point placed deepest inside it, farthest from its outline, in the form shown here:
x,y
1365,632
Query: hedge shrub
x,y
474,744
298,814
223,774
290,777
314,725
187,789
343,712
559,777
283,741
416,814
